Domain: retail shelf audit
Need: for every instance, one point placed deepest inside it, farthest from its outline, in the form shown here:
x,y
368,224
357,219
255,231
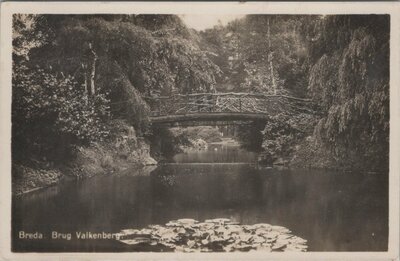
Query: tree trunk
x,y
92,71
86,90
270,57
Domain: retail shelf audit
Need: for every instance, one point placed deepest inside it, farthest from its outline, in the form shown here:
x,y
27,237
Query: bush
x,y
51,111
206,133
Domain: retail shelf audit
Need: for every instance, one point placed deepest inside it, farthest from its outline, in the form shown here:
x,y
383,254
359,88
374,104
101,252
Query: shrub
x,y
50,111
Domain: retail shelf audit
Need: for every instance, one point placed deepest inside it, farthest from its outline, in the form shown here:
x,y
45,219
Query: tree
x,y
73,74
350,81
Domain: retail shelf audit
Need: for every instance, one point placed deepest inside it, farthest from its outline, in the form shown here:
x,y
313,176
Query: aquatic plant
x,y
219,235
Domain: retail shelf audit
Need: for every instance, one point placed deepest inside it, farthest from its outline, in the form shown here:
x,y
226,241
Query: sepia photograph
x,y
200,133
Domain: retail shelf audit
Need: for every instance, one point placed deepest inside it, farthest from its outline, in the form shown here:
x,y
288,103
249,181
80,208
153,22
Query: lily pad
x,y
173,223
137,240
218,220
278,247
187,221
280,229
188,235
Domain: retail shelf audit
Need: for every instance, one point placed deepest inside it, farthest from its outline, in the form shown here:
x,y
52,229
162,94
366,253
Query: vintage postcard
x,y
179,130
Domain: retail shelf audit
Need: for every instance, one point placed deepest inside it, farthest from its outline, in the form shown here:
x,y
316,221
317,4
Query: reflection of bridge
x,y
211,107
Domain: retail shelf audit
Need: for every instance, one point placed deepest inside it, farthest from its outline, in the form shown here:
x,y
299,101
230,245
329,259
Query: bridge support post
x,y
213,103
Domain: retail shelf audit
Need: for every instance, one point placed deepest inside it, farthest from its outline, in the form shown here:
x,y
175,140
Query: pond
x,y
333,211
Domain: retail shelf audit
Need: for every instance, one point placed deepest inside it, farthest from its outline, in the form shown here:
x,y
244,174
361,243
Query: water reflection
x,y
333,211
216,153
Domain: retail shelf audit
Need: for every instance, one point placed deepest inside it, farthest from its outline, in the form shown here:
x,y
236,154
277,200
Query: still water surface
x,y
334,211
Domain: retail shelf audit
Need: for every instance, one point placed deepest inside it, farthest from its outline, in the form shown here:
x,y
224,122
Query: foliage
x,y
123,58
266,54
283,132
165,142
47,108
245,48
352,86
27,34
158,61
346,61
206,133
250,136
342,62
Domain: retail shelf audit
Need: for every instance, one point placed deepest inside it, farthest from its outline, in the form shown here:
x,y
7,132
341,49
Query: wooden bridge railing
x,y
225,102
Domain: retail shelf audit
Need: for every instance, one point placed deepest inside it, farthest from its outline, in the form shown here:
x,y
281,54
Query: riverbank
x,y
311,153
28,179
128,151
123,151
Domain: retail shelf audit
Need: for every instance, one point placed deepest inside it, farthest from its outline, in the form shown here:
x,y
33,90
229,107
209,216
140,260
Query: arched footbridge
x,y
223,107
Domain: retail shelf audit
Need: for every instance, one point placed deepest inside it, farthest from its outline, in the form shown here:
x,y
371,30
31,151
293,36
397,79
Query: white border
x,y
8,8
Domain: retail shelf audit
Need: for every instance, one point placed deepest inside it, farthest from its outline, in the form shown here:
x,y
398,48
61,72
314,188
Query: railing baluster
x,y
187,104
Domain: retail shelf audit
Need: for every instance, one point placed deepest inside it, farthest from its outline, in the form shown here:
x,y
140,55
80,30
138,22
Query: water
x,y
334,211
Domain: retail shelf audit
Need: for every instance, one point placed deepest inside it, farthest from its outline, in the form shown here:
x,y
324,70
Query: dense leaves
x,y
352,86
260,53
54,108
74,74
283,132
341,62
158,60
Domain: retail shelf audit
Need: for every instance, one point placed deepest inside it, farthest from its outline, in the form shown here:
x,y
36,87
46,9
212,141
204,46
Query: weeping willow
x,y
351,84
